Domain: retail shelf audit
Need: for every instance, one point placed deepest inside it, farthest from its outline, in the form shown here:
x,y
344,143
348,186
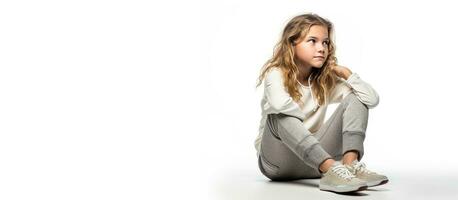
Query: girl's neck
x,y
304,73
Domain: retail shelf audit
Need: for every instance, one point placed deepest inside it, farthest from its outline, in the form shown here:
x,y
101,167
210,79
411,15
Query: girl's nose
x,y
320,47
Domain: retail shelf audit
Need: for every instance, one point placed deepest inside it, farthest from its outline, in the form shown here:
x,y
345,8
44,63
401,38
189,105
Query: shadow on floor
x,y
314,183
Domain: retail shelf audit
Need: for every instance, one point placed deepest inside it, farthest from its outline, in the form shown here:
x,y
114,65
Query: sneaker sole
x,y
343,190
377,183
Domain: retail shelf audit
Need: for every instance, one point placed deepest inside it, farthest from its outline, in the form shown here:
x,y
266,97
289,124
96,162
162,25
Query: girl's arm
x,y
277,96
363,91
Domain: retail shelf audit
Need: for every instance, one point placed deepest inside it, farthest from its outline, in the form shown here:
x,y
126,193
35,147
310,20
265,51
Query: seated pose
x,y
300,80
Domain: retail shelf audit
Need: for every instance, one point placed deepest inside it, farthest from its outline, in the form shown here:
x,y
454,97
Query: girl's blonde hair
x,y
322,79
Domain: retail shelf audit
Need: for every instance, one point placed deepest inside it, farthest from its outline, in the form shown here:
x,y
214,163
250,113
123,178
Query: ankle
x,y
350,156
326,165
347,162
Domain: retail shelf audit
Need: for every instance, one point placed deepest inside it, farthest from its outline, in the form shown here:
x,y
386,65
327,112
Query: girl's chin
x,y
318,65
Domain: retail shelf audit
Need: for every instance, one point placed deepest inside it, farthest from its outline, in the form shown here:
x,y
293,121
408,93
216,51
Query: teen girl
x,y
300,81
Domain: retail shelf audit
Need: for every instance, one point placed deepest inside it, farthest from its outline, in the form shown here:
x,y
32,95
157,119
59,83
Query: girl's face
x,y
313,49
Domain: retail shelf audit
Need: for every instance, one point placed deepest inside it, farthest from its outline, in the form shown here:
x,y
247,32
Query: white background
x,y
141,100
405,50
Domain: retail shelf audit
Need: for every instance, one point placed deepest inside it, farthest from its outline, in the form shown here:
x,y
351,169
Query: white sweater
x,y
276,99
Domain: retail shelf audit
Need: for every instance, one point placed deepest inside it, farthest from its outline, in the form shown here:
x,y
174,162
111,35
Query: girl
x,y
300,81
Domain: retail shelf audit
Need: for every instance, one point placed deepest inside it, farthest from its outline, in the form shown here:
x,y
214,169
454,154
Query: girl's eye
x,y
313,40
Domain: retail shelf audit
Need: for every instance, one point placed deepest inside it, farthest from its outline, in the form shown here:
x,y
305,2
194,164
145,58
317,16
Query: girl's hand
x,y
341,71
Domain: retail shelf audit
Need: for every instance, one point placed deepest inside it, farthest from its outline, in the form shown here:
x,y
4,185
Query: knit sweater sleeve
x,y
363,91
277,96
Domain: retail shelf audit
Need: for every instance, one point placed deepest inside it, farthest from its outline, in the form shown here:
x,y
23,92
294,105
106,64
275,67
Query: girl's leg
x,y
288,150
343,134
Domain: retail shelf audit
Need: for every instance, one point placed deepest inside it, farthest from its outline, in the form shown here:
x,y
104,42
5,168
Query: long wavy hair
x,y
322,79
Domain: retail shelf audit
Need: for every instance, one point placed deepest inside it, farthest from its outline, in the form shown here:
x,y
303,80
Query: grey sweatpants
x,y
290,152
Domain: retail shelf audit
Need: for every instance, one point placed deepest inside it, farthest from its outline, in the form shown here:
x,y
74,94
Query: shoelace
x,y
343,172
362,167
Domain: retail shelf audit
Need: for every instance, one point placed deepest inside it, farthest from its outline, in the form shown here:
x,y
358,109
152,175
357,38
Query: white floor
x,y
239,184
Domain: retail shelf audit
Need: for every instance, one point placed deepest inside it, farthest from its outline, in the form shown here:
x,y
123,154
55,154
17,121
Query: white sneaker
x,y
360,171
339,179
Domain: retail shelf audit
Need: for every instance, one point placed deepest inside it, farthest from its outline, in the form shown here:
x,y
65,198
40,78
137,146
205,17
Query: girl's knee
x,y
352,100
